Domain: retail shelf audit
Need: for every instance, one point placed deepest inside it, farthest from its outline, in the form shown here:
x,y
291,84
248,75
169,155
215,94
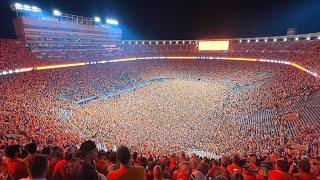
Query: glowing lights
x,y
248,40
35,9
112,21
18,6
257,40
296,39
285,39
238,59
213,45
265,40
275,39
319,38
124,59
56,12
97,19
308,38
182,57
25,69
26,7
240,41
59,66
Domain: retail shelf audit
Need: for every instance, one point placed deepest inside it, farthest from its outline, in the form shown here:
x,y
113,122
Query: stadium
x,y
75,93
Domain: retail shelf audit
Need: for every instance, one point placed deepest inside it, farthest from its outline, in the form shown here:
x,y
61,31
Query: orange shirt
x,y
182,176
234,168
63,170
304,176
16,168
136,173
276,175
175,175
249,177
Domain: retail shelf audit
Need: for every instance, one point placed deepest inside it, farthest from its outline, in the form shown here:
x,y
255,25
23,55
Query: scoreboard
x,y
213,45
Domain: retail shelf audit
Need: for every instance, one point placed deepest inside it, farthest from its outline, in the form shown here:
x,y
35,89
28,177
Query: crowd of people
x,y
88,162
161,107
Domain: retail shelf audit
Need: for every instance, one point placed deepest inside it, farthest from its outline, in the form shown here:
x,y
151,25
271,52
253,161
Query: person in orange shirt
x,y
185,171
16,167
281,171
63,169
304,168
214,169
252,161
55,156
126,172
235,166
3,171
248,174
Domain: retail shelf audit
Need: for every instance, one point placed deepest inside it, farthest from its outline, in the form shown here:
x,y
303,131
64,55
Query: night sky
x,y
187,19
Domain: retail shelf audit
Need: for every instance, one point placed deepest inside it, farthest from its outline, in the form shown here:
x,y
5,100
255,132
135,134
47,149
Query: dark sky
x,y
187,19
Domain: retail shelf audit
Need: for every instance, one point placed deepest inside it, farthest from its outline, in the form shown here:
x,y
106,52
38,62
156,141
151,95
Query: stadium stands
x,y
250,119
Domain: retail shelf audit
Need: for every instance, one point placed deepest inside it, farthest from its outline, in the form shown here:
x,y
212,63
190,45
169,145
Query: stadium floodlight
x,y
18,6
26,7
157,42
142,42
112,21
97,19
56,12
297,39
248,40
240,41
257,40
285,39
275,40
308,38
136,42
319,37
265,40
35,9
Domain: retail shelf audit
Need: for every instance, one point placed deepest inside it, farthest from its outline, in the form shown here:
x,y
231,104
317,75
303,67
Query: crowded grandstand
x,y
78,102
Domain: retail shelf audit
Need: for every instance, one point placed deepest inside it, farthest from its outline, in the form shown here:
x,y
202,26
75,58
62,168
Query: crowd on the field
x,y
50,95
